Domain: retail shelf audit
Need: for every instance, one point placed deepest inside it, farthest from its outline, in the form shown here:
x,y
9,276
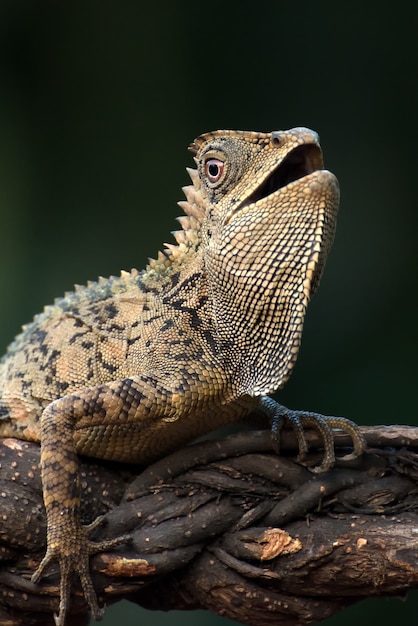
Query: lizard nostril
x,y
275,140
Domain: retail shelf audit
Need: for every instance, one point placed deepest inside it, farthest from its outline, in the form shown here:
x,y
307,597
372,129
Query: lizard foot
x,y
299,420
72,549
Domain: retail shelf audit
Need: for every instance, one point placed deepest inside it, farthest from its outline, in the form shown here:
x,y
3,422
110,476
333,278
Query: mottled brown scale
x,y
130,368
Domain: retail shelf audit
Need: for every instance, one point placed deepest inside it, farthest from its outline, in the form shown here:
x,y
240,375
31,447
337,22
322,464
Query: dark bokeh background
x,y
98,101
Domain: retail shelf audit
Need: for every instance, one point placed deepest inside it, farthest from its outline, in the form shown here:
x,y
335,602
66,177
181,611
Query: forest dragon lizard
x,y
131,367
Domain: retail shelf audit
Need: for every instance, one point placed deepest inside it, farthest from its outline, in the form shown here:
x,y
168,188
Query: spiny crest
x,y
101,283
191,223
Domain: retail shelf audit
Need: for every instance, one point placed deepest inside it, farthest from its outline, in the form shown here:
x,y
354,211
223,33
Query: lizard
x,y
130,368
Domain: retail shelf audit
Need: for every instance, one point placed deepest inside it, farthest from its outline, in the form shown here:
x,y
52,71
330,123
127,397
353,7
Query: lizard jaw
x,y
299,163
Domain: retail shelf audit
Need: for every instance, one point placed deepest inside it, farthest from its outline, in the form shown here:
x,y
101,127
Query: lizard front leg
x,y
85,422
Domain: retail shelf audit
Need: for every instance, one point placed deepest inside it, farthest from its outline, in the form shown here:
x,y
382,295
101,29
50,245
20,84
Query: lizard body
x,y
130,368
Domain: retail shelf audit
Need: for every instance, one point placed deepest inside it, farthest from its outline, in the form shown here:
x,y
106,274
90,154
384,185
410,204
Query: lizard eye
x,y
214,169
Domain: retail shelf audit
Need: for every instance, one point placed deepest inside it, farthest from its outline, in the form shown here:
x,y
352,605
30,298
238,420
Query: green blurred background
x,y
98,103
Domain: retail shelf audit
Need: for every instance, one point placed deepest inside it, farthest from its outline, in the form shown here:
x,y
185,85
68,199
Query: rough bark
x,y
228,526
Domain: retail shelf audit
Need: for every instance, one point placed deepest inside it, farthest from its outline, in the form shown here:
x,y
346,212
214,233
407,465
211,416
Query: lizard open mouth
x,y
300,162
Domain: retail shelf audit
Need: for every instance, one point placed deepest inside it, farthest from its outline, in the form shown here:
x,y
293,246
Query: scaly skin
x,y
130,368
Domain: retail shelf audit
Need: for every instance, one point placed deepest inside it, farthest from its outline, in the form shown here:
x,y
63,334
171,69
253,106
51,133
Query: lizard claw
x,y
299,420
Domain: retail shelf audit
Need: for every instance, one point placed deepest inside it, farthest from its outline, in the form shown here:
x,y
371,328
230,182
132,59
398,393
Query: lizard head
x,y
259,221
268,211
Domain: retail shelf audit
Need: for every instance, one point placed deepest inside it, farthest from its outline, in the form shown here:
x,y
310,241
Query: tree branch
x,y
226,525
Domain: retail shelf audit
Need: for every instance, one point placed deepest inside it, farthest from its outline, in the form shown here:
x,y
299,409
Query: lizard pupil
x,y
214,169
